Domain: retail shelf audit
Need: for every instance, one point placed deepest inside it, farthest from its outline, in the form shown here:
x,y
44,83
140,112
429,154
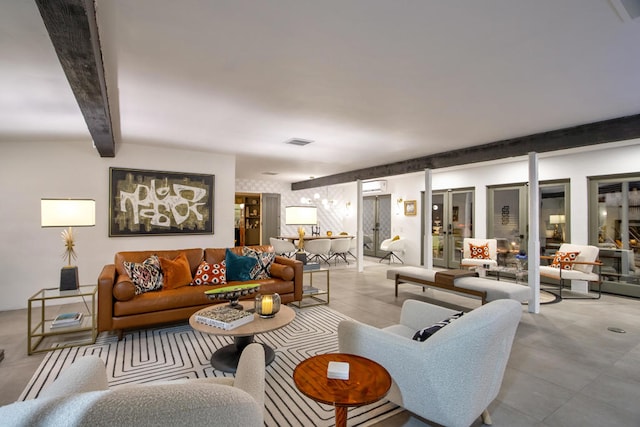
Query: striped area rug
x,y
176,352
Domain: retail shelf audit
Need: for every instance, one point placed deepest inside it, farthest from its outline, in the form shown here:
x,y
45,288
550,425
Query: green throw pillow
x,y
238,267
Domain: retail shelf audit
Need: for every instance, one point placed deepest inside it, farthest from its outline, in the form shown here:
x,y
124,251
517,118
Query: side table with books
x,y
226,358
46,331
312,294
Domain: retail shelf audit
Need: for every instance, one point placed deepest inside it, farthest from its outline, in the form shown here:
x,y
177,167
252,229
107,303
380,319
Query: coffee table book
x,y
225,317
66,319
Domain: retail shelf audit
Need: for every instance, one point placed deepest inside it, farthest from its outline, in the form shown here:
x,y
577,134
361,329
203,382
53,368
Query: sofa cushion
x,y
239,267
264,260
565,257
210,274
479,251
425,333
176,272
146,276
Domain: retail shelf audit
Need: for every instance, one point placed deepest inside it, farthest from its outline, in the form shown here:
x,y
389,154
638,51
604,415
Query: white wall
x,y
31,256
575,165
330,219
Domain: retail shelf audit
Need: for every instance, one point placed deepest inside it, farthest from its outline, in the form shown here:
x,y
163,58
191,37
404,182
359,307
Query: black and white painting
x,y
147,202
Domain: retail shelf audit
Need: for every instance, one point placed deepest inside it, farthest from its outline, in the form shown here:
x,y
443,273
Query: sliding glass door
x,y
376,223
614,226
452,221
508,218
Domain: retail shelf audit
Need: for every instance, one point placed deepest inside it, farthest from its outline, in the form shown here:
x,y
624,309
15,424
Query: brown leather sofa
x,y
119,308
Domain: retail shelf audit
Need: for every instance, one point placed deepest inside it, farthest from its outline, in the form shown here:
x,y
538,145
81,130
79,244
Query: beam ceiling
x,y
574,137
73,30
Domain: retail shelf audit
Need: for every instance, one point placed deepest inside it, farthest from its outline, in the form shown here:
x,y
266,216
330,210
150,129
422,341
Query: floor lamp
x,y
68,213
301,216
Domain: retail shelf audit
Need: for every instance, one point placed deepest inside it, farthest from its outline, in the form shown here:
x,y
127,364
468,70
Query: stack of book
x,y
224,317
66,319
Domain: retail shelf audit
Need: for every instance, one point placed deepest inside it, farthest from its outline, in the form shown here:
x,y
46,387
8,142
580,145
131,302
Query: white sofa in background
x,y
80,396
453,376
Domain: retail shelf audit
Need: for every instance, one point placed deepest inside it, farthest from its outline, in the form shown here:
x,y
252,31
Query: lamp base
x,y
69,278
301,256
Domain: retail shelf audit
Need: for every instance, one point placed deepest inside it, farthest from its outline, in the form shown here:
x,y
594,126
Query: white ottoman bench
x,y
463,282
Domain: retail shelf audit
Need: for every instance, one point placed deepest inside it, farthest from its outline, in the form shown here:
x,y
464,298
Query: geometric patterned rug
x,y
177,351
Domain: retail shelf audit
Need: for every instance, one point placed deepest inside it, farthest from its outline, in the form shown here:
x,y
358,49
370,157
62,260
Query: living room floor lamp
x,y
68,213
301,216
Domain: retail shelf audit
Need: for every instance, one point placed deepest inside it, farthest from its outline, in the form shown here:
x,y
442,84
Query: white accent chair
x,y
581,269
393,247
81,396
282,247
318,249
340,249
479,264
453,376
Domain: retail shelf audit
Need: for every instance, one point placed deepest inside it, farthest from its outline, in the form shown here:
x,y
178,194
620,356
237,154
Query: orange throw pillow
x,y
479,251
176,272
566,257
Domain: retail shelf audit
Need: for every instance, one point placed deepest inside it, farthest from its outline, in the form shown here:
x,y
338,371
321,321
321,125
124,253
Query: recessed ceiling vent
x,y
299,141
270,173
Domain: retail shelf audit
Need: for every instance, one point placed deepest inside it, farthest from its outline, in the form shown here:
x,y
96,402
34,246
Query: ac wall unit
x,y
369,187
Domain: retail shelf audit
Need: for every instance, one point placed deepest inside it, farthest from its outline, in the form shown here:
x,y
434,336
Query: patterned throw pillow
x,y
262,269
425,333
479,251
210,274
565,257
146,276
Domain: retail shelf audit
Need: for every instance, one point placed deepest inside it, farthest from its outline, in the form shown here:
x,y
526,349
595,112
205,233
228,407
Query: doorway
x,y
507,219
451,221
376,220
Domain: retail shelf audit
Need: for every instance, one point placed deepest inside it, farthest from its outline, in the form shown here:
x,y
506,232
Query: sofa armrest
x,y
297,274
106,280
85,374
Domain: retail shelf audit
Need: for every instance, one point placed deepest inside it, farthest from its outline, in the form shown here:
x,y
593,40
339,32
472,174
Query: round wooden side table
x,y
368,382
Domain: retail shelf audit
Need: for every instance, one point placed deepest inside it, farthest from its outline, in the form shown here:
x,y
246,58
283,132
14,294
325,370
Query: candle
x,y
267,305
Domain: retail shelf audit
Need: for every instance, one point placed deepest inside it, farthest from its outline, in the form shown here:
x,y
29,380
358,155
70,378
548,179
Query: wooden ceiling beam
x,y
73,30
619,129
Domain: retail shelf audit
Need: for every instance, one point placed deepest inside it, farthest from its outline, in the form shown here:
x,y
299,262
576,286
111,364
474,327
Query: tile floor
x,y
566,369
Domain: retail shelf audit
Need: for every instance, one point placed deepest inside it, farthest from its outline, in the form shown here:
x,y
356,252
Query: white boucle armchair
x,y
453,376
80,396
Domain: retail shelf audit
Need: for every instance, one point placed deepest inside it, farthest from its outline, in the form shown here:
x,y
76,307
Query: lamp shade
x,y
556,219
301,215
67,212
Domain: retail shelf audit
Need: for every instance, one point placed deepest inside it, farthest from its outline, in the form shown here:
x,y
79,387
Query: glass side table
x,y
313,295
39,329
